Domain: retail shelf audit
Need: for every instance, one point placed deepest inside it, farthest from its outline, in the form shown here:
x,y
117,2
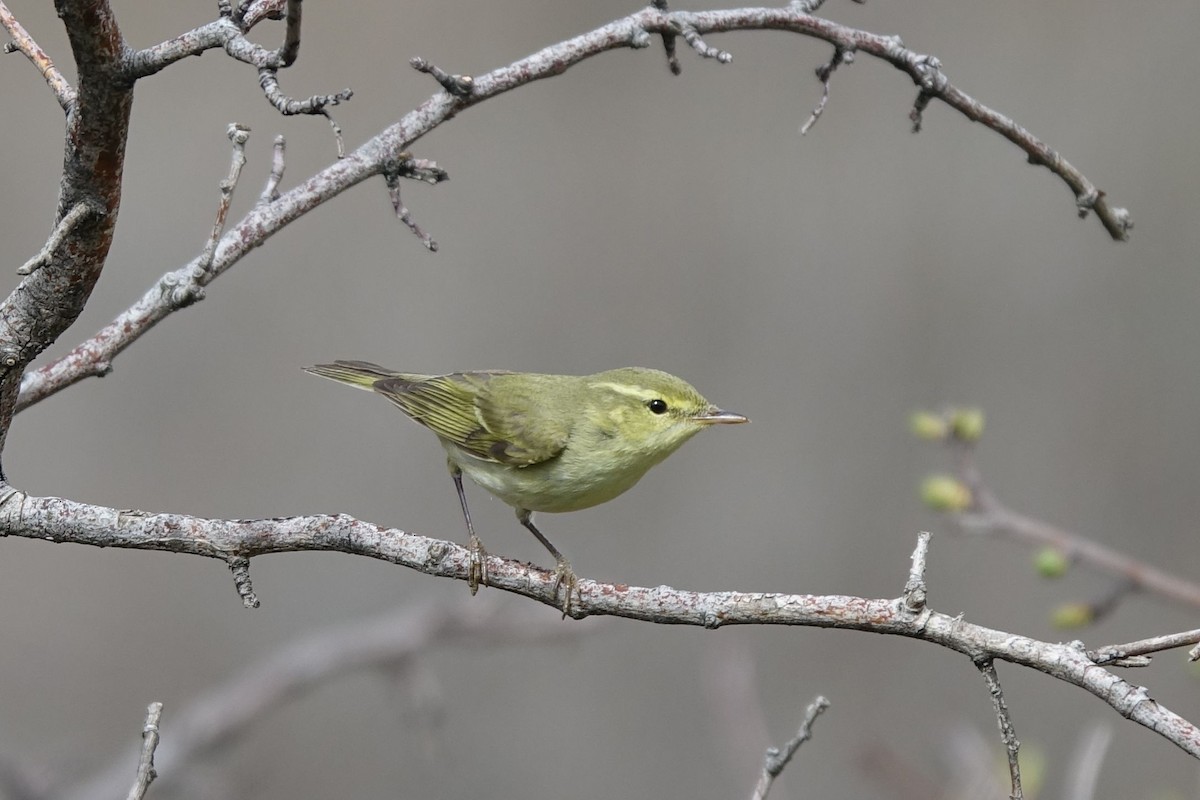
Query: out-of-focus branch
x,y
994,517
219,716
1083,770
974,508
57,519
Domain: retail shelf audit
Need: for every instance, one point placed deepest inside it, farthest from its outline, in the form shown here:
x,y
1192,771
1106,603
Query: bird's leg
x,y
478,572
562,572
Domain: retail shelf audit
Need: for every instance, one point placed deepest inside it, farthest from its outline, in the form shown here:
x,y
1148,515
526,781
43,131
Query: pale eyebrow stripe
x,y
627,390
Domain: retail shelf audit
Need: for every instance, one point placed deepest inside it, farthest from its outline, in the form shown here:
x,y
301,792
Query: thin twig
x,y
145,771
777,758
183,290
238,136
915,591
825,75
270,192
268,80
1116,653
1007,734
22,42
82,210
457,85
407,167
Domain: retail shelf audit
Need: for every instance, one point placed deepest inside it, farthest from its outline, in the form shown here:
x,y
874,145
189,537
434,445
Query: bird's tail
x,y
359,374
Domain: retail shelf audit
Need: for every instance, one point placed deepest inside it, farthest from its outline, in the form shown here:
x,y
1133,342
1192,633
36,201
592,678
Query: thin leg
x,y
563,572
478,573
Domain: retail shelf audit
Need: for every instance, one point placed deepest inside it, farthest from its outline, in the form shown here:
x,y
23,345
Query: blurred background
x,y
825,286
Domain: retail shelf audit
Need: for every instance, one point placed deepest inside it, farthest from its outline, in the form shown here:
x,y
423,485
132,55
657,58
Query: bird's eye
x,y
657,406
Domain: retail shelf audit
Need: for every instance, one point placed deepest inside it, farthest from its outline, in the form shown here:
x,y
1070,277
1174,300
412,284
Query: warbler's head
x,y
648,412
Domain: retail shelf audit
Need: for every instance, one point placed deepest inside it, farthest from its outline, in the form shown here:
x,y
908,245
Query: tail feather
x,y
360,374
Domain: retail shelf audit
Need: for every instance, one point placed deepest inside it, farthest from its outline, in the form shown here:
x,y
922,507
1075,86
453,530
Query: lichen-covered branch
x,y
58,519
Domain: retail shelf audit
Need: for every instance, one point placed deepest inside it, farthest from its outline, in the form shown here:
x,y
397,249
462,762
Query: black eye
x,y
657,406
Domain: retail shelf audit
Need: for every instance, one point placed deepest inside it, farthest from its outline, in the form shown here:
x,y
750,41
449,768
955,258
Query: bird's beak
x,y
715,416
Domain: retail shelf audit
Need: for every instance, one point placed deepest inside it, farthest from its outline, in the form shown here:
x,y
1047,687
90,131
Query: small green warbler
x,y
544,442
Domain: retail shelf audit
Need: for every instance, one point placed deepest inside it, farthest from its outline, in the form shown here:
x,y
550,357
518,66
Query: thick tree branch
x,y
57,519
48,300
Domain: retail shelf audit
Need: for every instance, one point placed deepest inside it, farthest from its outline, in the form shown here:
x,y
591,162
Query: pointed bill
x,y
715,416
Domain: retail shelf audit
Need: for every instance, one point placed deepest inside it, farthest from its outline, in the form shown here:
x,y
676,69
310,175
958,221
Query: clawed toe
x,y
563,574
477,574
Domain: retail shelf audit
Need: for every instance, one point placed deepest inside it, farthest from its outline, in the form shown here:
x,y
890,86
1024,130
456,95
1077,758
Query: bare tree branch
x,y
75,216
95,355
57,519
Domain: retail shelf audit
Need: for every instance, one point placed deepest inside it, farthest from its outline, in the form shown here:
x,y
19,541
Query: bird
x,y
543,443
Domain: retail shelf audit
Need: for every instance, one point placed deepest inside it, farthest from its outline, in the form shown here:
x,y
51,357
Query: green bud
x,y
928,426
1073,615
945,493
967,424
1050,562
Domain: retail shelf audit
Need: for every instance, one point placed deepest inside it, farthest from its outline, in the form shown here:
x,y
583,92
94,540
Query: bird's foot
x,y
477,575
563,574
